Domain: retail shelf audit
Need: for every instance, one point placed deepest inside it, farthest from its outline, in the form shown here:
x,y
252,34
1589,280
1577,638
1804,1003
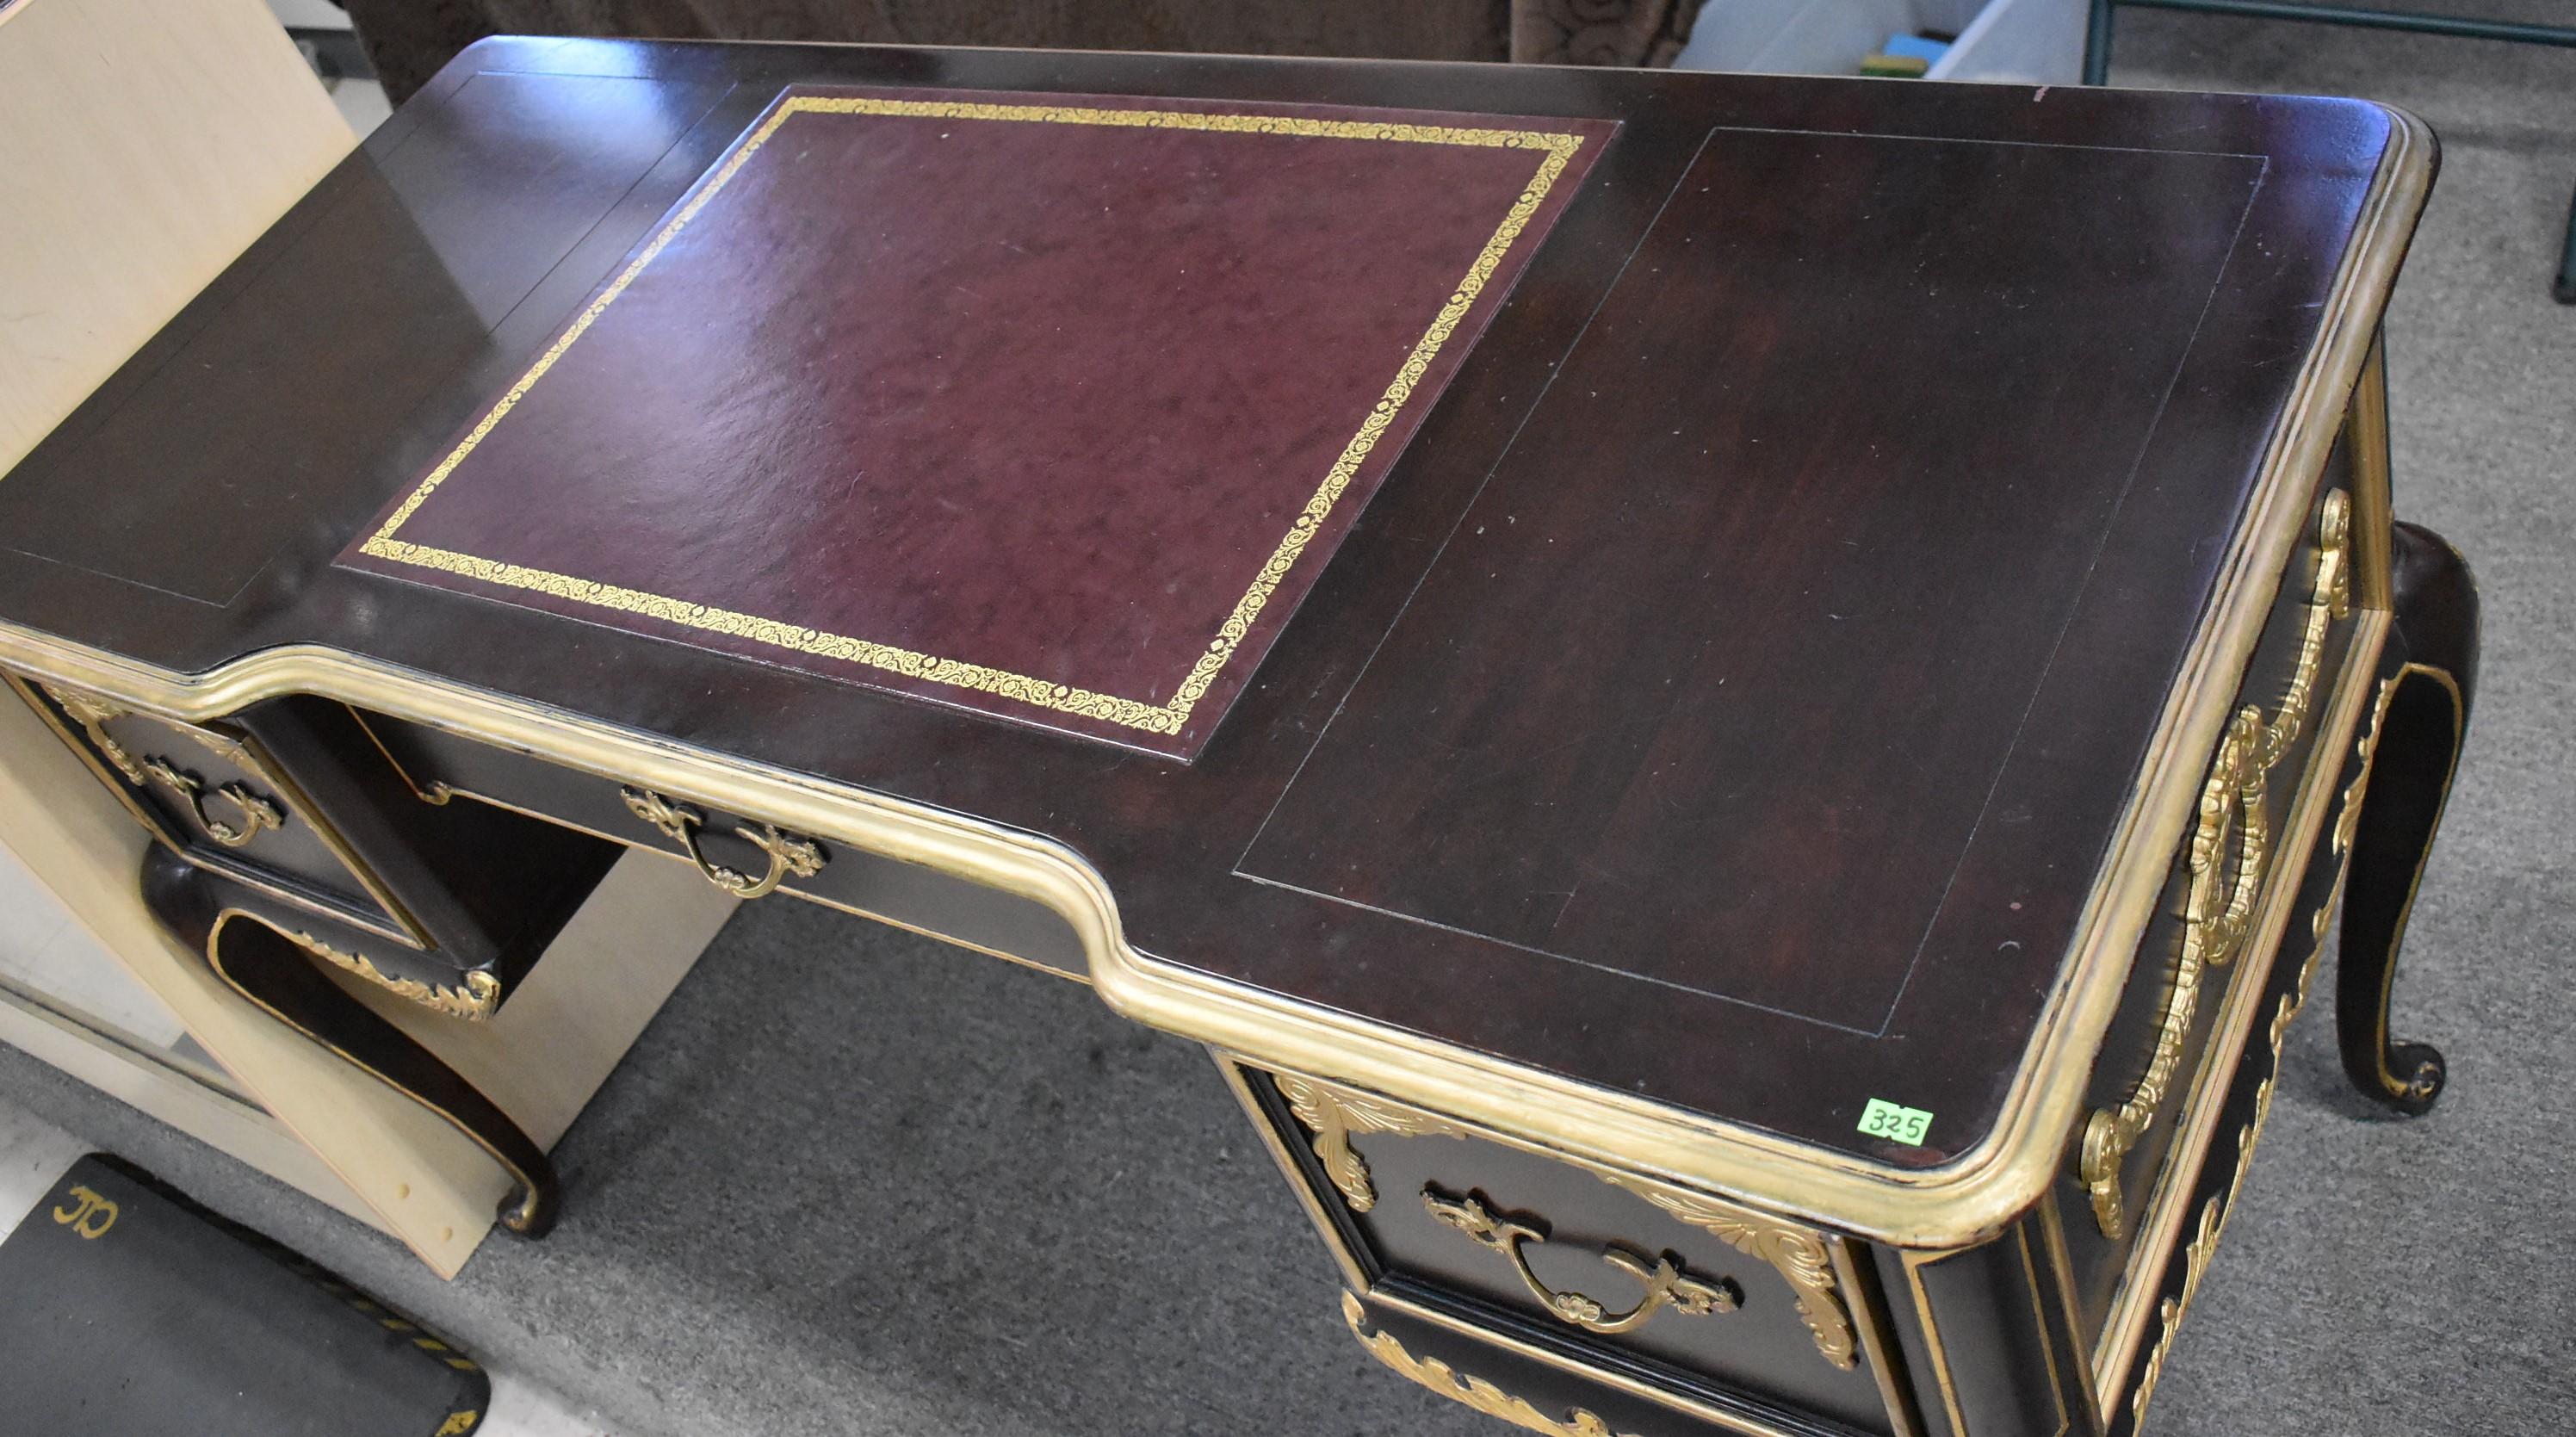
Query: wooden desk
x,y
1800,797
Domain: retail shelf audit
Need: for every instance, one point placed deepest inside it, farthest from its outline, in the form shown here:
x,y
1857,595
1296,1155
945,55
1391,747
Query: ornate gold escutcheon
x,y
473,1002
1665,1283
2228,858
789,855
255,812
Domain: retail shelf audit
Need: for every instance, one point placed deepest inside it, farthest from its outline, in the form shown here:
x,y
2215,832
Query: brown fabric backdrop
x,y
408,40
1601,32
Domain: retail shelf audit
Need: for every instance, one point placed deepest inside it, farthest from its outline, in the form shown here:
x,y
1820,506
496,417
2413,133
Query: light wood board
x,y
143,145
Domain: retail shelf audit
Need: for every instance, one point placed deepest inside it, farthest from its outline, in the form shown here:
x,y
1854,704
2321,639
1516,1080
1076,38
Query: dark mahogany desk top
x,y
1725,699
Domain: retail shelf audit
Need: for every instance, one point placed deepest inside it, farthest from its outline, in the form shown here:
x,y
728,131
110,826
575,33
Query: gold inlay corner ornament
x,y
1556,150
789,855
1333,1113
1665,1283
92,713
2228,856
1796,1253
1475,1392
473,1002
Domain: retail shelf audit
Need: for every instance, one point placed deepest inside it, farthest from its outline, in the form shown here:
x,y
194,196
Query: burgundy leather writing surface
x,y
1048,406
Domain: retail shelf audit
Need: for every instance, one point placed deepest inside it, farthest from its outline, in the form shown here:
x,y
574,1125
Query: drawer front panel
x,y
2200,945
1520,1387
1625,1269
214,796
440,765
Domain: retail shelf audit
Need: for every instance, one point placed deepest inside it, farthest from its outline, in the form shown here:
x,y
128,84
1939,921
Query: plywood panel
x,y
143,145
385,1157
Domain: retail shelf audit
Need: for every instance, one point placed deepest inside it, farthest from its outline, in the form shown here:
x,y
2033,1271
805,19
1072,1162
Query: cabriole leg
x,y
270,970
2423,714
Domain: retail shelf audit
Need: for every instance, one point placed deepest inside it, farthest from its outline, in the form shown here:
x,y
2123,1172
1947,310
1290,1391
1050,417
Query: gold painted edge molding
x,y
1937,1356
1557,147
1475,1392
1957,1204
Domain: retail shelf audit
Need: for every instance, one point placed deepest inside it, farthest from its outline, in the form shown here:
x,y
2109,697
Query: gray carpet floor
x,y
855,1183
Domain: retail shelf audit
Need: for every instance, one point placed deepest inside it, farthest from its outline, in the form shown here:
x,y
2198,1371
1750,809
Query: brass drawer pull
x,y
256,812
1666,1286
789,855
2220,907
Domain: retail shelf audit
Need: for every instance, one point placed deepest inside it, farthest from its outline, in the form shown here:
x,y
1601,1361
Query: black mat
x,y
128,1311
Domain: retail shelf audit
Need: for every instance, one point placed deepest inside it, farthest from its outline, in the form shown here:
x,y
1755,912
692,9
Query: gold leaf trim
x,y
1168,716
2204,1245
473,1002
1332,1114
1475,1392
2219,909
2348,822
92,713
1798,1255
2215,1213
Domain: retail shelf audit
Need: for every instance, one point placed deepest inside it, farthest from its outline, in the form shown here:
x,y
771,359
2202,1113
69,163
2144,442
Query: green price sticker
x,y
1883,1119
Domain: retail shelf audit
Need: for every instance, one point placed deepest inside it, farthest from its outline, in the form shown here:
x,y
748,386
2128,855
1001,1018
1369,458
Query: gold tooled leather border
x,y
1556,149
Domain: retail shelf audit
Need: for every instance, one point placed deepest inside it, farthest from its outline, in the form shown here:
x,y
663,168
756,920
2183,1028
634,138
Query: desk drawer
x,y
216,797
2204,942
1706,1301
737,851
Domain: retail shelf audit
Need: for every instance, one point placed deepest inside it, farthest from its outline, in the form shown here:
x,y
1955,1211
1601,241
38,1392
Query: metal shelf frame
x,y
2097,53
